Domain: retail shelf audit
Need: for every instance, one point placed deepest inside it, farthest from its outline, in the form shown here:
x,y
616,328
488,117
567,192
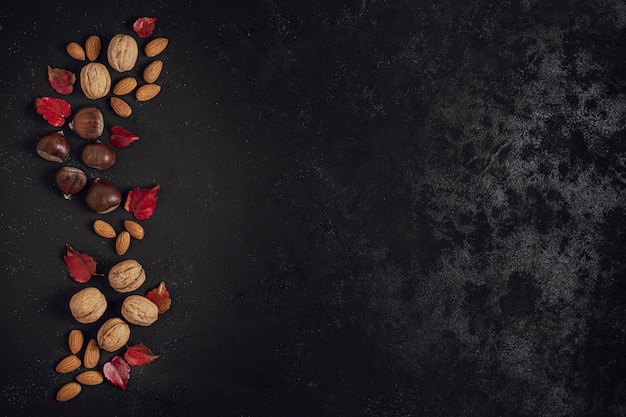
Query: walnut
x,y
95,80
139,310
122,52
88,305
126,276
113,334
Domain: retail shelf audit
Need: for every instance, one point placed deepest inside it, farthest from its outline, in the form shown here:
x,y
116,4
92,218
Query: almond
x,y
135,229
92,354
68,364
124,86
147,92
75,51
90,377
92,47
68,391
122,243
120,107
155,47
104,229
152,71
75,341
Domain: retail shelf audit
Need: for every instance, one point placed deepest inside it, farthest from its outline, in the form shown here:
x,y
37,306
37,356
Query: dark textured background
x,y
376,208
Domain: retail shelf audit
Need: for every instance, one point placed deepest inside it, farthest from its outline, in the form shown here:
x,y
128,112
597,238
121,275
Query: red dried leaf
x,y
144,26
138,355
161,297
121,138
54,110
80,265
142,202
61,80
117,371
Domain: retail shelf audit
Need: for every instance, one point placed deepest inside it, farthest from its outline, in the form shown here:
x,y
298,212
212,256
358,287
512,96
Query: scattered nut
x,y
122,243
113,334
68,364
147,92
139,310
69,391
92,354
92,47
75,51
95,80
88,305
120,107
126,276
90,377
135,229
75,341
104,229
122,52
124,86
155,47
152,71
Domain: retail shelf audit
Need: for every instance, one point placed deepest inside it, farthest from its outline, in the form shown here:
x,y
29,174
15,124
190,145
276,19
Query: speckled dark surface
x,y
376,208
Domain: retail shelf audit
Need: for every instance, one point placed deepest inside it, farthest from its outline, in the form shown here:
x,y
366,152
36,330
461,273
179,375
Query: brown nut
x,y
104,229
124,86
152,71
135,229
75,51
95,80
155,47
68,364
88,305
139,310
68,391
120,107
75,340
147,92
113,334
126,276
92,354
122,52
92,47
122,243
88,122
90,377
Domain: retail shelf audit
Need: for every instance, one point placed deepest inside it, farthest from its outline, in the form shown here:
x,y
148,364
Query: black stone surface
x,y
375,208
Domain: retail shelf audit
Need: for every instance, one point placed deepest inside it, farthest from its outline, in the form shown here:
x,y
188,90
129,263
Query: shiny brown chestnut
x,y
54,147
98,155
103,197
88,122
70,181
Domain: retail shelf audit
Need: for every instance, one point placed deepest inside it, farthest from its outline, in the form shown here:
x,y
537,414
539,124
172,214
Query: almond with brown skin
x,y
69,391
155,47
147,92
135,229
75,51
104,229
122,243
92,354
124,86
120,107
152,71
68,364
93,47
75,341
90,377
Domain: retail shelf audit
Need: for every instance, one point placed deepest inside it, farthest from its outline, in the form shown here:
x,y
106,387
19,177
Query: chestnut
x,y
54,147
103,197
88,123
70,181
98,155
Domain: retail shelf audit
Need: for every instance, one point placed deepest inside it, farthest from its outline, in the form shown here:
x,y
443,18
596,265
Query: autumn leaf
x,y
54,110
80,265
138,355
141,202
121,138
117,371
161,297
61,80
144,26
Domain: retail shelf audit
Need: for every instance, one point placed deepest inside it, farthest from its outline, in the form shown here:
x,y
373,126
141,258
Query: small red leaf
x,y
144,26
121,138
80,265
117,371
61,80
142,202
54,110
161,297
138,355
